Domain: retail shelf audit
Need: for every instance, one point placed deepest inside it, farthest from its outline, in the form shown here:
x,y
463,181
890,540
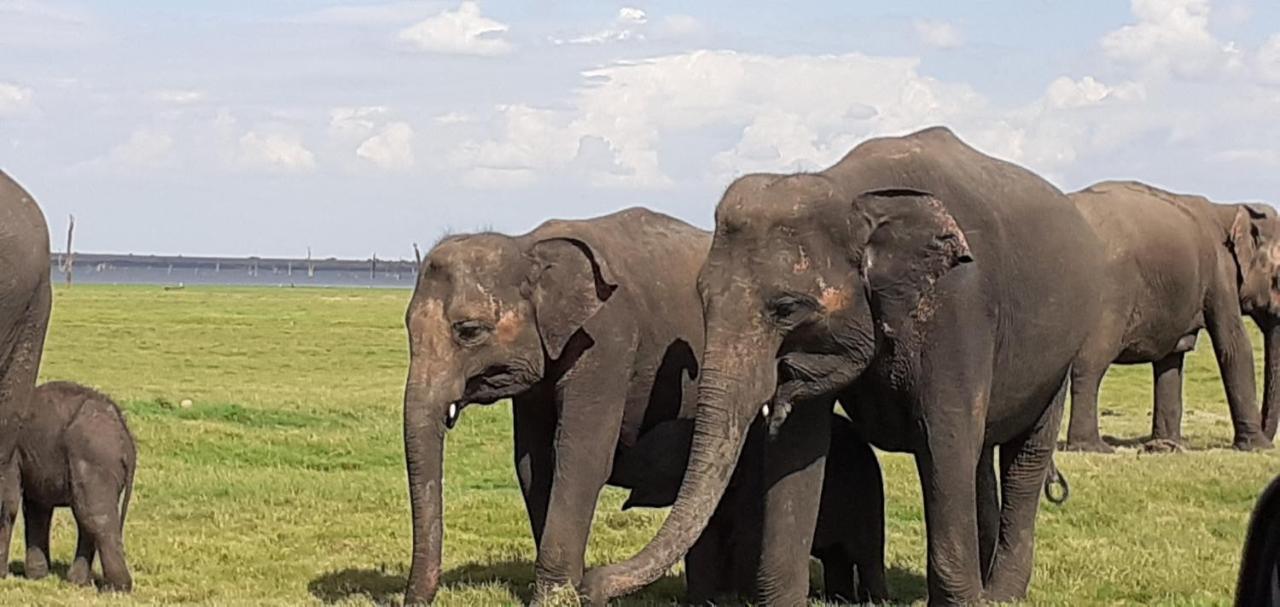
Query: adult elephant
x,y
25,301
1176,264
941,295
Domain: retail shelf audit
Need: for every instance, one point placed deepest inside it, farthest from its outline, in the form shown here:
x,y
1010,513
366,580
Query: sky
x,y
242,127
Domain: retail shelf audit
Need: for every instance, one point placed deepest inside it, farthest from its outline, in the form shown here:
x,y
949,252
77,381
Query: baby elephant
x,y
75,450
849,538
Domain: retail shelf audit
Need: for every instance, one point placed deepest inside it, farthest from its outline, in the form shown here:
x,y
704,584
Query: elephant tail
x,y
127,494
1056,488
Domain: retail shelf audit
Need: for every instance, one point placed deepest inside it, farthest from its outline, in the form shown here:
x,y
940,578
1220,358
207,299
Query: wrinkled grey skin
x,y
1259,581
1177,264
75,451
593,328
25,300
910,281
848,539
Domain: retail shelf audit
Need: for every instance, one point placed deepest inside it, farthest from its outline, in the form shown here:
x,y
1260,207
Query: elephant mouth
x,y
490,386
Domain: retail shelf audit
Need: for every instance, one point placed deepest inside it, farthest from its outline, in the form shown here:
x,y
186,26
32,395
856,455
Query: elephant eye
x,y
790,309
471,332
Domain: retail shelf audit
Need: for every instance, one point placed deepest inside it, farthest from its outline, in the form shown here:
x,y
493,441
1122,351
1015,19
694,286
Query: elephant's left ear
x,y
913,240
568,284
1243,235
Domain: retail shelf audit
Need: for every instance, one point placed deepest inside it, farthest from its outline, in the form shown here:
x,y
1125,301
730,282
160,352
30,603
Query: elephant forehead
x,y
427,326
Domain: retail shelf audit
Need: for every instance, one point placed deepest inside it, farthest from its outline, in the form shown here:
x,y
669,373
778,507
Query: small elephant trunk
x,y
424,433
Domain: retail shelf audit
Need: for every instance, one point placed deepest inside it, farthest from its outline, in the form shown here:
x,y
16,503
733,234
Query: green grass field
x,y
284,483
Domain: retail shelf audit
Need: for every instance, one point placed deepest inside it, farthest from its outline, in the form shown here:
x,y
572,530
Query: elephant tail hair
x,y
1056,488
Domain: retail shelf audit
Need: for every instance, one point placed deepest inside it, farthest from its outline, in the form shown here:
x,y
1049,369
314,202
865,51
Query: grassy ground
x,y
284,483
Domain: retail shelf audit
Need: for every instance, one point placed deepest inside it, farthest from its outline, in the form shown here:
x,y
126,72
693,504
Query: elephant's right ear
x,y
568,283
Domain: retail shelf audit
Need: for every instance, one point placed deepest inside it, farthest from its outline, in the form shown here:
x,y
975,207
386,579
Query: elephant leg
x,y
18,372
794,465
10,500
81,571
839,581
586,439
952,407
1082,429
988,493
1023,467
1166,424
709,565
95,501
1235,359
534,421
36,518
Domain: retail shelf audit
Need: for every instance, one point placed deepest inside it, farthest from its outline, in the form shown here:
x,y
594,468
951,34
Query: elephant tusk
x,y
451,417
765,411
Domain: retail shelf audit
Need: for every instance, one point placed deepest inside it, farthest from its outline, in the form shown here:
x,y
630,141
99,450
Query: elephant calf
x,y
74,451
849,537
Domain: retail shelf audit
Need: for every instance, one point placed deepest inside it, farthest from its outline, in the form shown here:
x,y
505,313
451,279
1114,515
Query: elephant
x,y
940,295
593,328
1176,264
76,450
1259,581
849,536
25,302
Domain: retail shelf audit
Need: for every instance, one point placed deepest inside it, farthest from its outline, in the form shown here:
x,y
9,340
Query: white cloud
x,y
14,99
1172,37
275,152
1267,158
681,26
463,31
178,96
146,148
626,26
390,149
453,118
355,122
802,111
1268,60
938,34
1065,93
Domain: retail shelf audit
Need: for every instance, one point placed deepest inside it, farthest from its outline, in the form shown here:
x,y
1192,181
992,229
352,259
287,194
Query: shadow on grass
x,y
906,586
383,586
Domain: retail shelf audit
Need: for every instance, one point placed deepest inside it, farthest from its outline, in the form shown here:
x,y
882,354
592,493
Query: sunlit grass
x,y
283,483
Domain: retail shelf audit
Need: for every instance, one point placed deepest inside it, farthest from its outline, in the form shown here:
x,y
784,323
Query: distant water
x,y
240,277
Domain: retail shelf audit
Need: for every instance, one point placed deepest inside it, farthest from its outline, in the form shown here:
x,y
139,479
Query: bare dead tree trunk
x,y
70,260
311,267
417,255
373,267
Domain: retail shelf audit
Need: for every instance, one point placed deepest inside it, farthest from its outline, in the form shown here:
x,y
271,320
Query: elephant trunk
x,y
1271,379
736,383
425,408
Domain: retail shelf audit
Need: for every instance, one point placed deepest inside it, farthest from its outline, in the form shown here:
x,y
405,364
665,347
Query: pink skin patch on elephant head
x,y
833,299
510,322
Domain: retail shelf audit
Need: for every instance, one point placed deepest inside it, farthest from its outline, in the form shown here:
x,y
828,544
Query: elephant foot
x,y
1163,445
1252,442
36,570
80,574
1093,445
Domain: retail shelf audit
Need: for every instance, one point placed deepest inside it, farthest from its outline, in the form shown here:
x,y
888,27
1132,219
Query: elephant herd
x,y
946,300
918,296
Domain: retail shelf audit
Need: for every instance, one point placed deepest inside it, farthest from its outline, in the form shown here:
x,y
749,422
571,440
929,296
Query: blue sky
x,y
249,127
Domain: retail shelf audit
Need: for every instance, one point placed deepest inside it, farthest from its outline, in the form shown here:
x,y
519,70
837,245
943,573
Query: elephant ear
x,y
913,241
1243,235
567,285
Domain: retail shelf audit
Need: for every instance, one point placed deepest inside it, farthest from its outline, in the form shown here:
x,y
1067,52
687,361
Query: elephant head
x,y
1254,241
803,284
489,315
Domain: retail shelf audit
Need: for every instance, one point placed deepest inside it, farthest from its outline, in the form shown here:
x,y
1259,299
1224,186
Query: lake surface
x,y
397,276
